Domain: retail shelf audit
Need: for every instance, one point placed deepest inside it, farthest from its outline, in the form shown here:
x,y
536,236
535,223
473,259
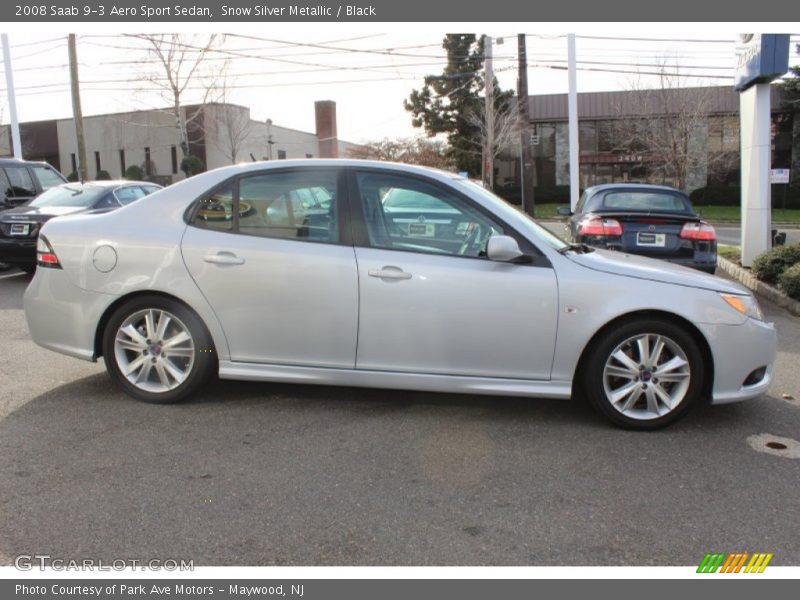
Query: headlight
x,y
746,305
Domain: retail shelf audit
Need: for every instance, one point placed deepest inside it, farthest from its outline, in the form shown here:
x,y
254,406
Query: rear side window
x,y
289,205
126,195
47,177
21,184
644,201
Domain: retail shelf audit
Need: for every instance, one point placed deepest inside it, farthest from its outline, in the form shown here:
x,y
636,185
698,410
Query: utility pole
x,y
572,102
12,99
488,151
526,172
83,172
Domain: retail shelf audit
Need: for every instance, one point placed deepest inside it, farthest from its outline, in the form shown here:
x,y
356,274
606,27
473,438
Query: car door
x,y
282,282
430,300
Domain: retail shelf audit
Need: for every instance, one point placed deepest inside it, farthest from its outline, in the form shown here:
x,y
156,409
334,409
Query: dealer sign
x,y
760,58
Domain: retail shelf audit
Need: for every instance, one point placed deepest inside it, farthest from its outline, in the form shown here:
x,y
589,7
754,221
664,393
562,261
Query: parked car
x,y
649,220
225,272
22,181
19,226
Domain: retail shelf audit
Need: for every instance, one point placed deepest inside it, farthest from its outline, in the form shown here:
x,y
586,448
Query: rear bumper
x,y
61,316
20,251
739,351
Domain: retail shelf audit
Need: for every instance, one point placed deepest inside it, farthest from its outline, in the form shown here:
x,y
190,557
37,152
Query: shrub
x,y
770,266
102,175
192,165
790,281
72,177
134,173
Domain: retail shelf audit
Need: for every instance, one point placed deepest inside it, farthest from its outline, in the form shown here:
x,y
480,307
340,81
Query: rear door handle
x,y
224,258
389,273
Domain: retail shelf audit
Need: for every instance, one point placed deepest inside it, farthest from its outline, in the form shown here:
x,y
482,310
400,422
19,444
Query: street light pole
x,y
12,100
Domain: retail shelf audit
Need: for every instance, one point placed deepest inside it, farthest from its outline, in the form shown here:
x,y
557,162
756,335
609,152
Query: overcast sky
x,y
279,73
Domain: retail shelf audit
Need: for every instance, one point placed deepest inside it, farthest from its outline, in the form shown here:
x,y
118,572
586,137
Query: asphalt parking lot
x,y
263,474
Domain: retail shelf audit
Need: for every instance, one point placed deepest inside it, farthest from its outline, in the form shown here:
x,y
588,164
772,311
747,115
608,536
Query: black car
x,y
649,220
19,226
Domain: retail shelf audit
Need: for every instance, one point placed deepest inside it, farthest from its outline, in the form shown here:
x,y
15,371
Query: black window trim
x,y
341,199
361,235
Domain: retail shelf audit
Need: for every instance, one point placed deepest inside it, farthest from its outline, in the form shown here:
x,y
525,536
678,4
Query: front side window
x,y
289,205
21,182
404,213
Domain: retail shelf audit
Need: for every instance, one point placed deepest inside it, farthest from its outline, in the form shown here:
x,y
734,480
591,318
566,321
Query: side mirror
x,y
504,248
564,211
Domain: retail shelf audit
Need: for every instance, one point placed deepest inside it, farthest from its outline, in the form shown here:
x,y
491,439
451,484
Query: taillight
x,y
45,255
595,225
698,231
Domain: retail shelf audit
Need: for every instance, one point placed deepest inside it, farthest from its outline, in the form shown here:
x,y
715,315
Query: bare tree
x,y
415,151
506,128
669,130
230,125
180,59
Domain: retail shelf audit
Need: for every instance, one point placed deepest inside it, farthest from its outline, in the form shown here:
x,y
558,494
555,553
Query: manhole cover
x,y
775,445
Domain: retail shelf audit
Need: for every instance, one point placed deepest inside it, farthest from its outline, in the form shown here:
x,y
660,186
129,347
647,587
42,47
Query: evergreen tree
x,y
445,102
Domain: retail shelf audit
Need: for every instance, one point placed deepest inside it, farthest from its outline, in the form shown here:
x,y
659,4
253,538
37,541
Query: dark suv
x,y
23,180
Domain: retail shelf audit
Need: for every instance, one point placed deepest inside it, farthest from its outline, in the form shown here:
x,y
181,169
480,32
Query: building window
x,y
147,161
122,162
174,151
74,162
281,154
97,166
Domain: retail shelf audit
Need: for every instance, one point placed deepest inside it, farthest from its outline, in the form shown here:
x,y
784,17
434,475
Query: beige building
x,y
219,135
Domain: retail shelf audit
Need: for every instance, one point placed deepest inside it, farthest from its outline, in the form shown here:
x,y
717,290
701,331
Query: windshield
x,y
70,195
505,209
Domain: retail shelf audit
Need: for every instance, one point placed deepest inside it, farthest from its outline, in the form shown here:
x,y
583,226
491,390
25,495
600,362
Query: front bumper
x,y
739,351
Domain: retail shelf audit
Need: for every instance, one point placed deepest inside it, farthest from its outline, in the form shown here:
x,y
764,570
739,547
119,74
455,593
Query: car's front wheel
x,y
157,349
645,374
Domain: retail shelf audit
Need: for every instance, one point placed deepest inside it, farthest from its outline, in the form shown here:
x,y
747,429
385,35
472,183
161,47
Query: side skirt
x,y
394,380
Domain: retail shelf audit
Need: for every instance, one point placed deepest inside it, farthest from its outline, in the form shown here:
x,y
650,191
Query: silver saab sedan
x,y
345,272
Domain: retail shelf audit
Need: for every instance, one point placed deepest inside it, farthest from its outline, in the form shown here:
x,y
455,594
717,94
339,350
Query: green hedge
x,y
771,265
732,196
790,281
551,194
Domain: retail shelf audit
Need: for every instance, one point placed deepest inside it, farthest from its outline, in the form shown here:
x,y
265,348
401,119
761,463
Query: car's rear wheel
x,y
29,269
157,349
4,266
645,374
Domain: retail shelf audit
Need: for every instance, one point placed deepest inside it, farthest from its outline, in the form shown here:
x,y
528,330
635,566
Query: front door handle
x,y
224,258
389,273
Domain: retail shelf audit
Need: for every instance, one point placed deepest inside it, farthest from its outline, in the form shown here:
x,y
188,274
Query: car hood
x,y
640,267
44,211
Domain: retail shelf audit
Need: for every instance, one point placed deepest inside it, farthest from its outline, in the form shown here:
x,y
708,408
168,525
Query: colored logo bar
x,y
734,562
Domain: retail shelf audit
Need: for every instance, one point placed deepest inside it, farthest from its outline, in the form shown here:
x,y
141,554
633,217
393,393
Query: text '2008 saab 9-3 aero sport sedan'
x,y
346,272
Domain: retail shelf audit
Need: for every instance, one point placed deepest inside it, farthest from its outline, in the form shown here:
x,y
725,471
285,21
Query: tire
x,y
164,370
4,267
628,390
29,269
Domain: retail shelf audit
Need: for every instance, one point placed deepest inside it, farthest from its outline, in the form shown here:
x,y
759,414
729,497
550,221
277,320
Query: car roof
x,y
260,165
11,162
111,183
630,186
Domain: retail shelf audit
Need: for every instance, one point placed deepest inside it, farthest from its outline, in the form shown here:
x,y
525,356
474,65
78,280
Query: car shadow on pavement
x,y
261,474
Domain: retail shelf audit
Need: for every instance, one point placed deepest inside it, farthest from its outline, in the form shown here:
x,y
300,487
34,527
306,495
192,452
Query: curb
x,y
746,278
